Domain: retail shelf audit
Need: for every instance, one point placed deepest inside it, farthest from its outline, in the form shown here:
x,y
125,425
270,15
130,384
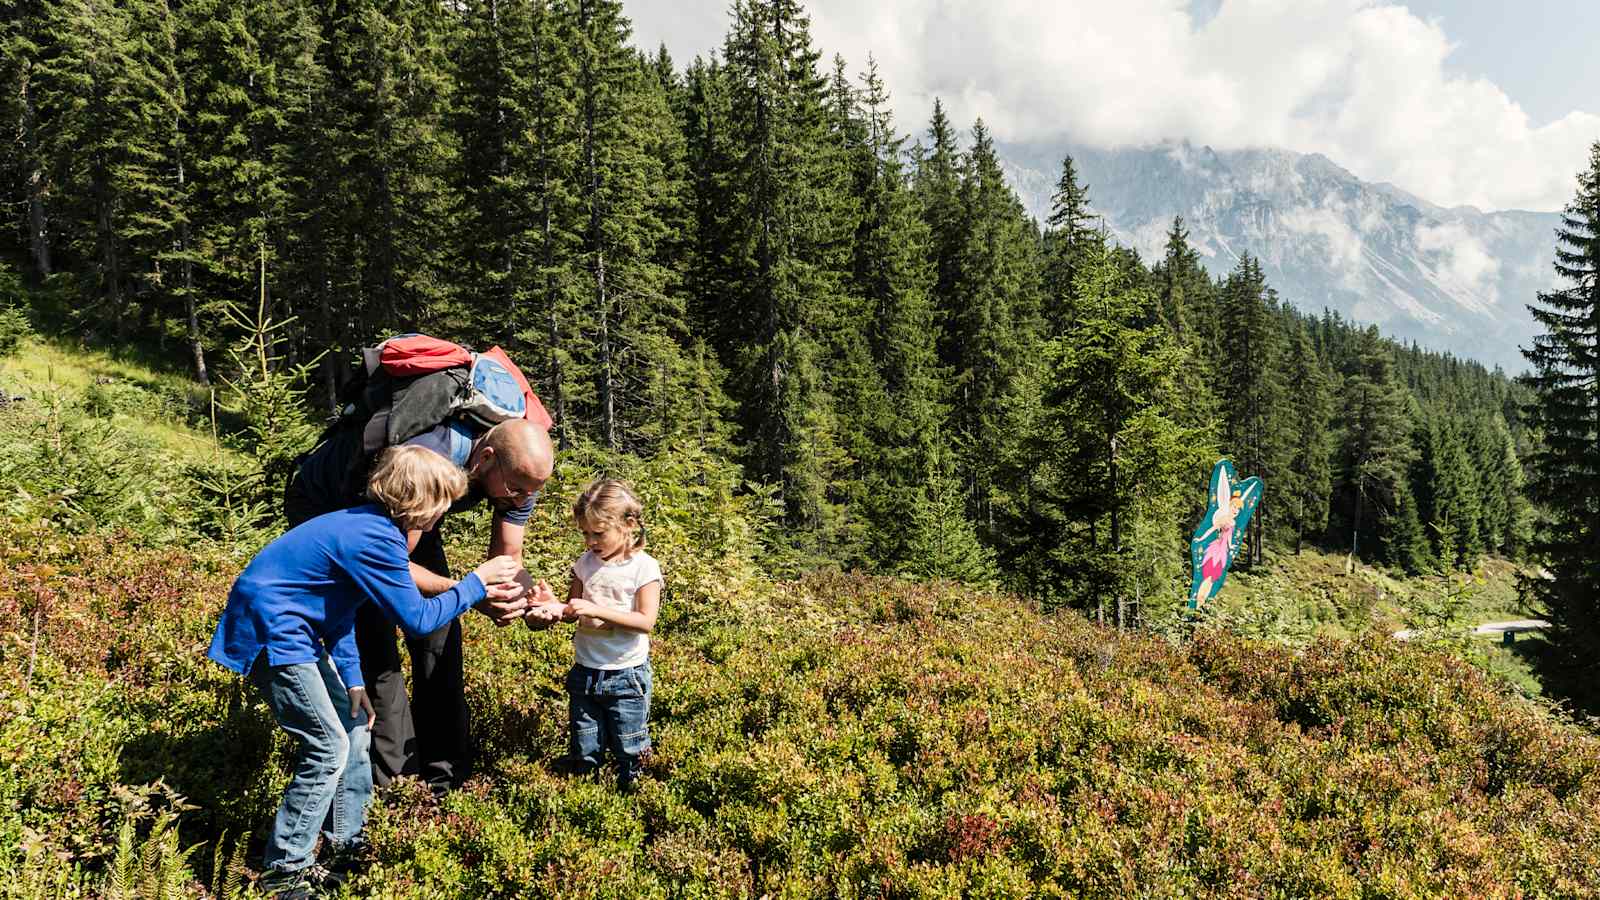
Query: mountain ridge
x,y
1451,279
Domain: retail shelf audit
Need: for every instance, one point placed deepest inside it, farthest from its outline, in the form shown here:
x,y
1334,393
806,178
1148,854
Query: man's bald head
x,y
524,449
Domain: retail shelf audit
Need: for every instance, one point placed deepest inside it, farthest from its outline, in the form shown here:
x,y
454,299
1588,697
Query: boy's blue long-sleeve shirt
x,y
299,596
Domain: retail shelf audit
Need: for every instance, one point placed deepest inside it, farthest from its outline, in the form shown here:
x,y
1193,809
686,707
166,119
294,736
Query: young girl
x,y
614,593
289,627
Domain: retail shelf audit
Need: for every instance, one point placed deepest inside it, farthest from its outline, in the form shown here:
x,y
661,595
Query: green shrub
x,y
14,324
14,329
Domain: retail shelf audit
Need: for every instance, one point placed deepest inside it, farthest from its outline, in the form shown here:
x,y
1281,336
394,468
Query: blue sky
x,y
1483,102
1540,52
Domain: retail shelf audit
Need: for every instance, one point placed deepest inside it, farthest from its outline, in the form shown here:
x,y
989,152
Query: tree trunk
x,y
602,299
325,332
1355,528
38,233
196,347
110,261
547,252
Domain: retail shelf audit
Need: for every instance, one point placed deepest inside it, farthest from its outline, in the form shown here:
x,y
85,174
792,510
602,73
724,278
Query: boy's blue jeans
x,y
332,775
610,710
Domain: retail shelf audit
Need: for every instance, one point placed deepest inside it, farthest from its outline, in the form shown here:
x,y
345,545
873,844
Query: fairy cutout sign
x,y
1221,530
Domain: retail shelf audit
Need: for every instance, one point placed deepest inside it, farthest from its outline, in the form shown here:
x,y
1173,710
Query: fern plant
x,y
156,866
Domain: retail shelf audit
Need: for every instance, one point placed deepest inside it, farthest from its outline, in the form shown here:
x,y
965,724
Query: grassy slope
x,y
44,368
1313,594
840,736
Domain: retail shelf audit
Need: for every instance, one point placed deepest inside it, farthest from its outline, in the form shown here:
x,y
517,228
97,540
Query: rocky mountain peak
x,y
1451,279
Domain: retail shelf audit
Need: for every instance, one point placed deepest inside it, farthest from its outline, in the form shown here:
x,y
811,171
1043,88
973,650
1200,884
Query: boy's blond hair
x,y
415,484
608,501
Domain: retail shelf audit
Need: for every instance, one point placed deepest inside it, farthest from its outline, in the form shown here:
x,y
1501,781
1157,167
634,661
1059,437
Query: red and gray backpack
x,y
411,383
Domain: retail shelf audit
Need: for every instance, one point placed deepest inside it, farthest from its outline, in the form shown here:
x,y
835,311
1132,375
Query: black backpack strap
x,y
423,402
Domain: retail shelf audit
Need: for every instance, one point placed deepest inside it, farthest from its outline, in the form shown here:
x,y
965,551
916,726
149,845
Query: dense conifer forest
x,y
743,255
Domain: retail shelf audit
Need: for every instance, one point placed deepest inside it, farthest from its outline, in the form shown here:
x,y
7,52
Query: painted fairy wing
x,y
1250,492
1221,476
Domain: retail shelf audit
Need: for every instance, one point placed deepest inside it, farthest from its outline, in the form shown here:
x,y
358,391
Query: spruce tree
x,y
785,240
25,169
852,380
711,267
1375,447
1511,479
940,541
1564,470
991,332
1405,542
891,274
493,119
1184,284
107,89
1250,387
937,184
1067,239
1446,492
1106,466
628,148
236,166
393,248
1306,483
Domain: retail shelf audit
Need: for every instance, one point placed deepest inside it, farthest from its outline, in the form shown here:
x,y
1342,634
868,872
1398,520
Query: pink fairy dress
x,y
1216,556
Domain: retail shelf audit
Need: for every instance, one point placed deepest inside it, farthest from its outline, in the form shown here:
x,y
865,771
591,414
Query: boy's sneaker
x,y
345,863
301,884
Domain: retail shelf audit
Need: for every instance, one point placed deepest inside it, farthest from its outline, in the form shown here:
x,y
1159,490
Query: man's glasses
x,y
512,492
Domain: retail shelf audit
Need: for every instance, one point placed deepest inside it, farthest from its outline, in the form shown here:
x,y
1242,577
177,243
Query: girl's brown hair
x,y
611,502
415,484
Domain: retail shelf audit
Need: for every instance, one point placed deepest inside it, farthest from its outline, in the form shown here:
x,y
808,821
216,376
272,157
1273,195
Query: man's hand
x,y
508,601
503,612
359,702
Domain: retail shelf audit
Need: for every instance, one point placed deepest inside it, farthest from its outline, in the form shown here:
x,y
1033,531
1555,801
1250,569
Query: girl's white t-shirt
x,y
615,585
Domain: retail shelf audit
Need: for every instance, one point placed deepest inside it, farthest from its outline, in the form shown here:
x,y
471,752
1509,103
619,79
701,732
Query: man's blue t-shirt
x,y
453,441
322,475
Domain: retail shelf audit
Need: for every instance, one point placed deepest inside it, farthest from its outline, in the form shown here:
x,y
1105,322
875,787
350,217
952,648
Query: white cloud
x,y
1361,81
1462,264
1329,222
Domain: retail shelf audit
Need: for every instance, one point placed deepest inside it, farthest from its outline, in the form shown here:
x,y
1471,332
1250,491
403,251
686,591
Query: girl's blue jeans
x,y
332,775
610,711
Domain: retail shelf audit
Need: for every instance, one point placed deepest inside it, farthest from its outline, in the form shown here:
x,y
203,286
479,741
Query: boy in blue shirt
x,y
289,626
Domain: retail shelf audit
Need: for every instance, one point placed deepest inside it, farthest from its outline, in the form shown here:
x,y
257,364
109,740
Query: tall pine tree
x,y
786,242
1564,472
1250,387
991,331
1306,482
1375,447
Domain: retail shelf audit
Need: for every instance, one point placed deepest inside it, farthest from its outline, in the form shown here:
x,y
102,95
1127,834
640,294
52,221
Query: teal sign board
x,y
1221,531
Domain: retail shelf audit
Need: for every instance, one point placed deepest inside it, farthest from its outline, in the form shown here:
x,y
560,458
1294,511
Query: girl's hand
x,y
589,613
499,570
542,615
359,702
